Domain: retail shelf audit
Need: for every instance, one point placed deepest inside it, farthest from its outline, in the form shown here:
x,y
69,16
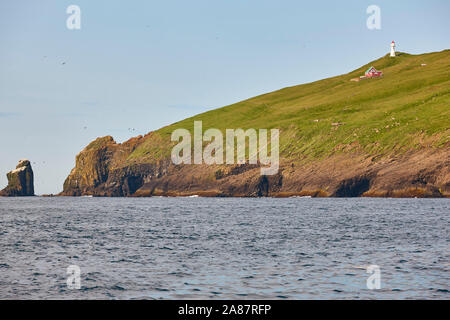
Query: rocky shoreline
x,y
419,173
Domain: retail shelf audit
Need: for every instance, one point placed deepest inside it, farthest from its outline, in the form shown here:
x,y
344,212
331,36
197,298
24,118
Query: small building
x,y
370,73
373,73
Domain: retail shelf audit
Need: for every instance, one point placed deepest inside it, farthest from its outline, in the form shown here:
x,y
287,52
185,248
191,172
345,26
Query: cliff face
x,y
99,170
20,181
385,137
424,173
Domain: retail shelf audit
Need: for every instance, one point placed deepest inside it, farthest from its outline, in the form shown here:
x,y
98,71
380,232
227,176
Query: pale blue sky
x,y
146,64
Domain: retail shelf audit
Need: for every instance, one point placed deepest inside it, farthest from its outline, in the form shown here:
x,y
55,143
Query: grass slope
x,y
409,108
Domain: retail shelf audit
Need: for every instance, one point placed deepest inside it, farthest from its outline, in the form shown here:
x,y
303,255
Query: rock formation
x,y
20,181
101,171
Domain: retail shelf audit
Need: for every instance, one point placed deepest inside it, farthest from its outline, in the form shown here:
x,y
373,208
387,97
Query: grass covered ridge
x,y
409,108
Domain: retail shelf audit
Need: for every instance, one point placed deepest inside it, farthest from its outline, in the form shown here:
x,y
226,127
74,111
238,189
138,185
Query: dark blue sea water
x,y
192,248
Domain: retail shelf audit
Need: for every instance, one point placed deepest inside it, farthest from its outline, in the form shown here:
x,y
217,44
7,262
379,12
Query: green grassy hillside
x,y
408,108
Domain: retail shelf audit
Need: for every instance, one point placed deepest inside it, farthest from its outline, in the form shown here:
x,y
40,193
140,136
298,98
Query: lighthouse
x,y
393,49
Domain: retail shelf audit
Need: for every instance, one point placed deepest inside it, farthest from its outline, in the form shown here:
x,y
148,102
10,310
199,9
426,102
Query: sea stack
x,y
20,181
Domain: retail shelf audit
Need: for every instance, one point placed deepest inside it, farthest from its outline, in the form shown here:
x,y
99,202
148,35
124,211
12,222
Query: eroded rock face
x,y
92,165
103,169
20,181
99,171
106,168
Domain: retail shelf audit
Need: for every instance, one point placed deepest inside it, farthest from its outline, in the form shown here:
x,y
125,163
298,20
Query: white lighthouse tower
x,y
393,49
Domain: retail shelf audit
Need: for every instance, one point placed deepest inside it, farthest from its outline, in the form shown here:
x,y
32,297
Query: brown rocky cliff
x,y
102,169
91,167
20,181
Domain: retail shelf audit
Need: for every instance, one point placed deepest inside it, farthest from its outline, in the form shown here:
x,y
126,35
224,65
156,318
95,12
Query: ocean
x,y
224,248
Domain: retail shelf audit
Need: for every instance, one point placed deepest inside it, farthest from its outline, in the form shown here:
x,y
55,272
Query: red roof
x,y
372,72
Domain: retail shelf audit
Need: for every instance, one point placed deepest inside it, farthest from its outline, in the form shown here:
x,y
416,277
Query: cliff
x,y
386,137
20,181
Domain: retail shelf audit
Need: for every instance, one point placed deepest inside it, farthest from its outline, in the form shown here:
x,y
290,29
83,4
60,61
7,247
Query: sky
x,y
136,66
